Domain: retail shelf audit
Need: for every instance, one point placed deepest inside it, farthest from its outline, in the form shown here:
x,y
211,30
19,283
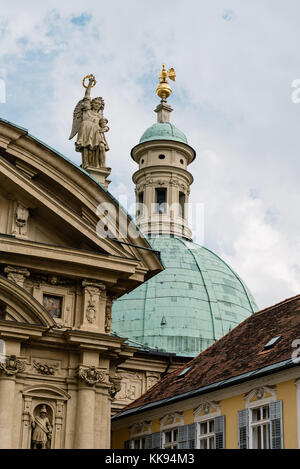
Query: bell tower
x,y
162,182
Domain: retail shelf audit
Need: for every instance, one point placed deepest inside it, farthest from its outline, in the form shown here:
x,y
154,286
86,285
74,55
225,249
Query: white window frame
x,y
206,418
140,441
139,435
173,444
207,436
169,423
255,405
259,423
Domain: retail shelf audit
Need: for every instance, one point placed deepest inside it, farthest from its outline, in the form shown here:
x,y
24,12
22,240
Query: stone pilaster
x,y
88,377
94,306
8,371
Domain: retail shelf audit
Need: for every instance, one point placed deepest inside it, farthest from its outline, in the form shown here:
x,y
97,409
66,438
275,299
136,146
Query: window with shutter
x,y
243,417
153,441
276,433
148,442
219,428
156,440
127,444
187,436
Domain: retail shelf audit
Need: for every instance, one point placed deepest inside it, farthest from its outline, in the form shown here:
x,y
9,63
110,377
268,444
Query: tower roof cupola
x,y
162,180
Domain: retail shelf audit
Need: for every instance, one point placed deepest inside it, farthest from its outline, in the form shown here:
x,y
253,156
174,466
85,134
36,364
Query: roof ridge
x,y
287,300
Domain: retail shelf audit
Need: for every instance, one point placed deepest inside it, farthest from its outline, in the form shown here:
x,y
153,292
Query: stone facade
x,y
58,279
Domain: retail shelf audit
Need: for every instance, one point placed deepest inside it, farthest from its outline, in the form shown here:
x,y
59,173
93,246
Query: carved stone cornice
x,y
11,366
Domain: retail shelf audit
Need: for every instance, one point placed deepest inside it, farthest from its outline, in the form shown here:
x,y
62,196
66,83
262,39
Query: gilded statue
x,y
90,127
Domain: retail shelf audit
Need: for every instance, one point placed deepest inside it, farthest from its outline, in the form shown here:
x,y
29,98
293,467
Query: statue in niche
x,y
42,429
90,127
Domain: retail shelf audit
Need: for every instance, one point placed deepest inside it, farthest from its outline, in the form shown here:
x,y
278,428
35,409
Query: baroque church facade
x,y
91,315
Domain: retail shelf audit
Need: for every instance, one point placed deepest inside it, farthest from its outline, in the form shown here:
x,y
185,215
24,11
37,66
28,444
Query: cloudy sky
x,y
235,64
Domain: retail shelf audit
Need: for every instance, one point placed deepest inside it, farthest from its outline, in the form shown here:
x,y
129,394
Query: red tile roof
x,y
238,352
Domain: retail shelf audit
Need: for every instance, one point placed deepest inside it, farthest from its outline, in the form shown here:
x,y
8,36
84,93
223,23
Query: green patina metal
x,y
163,131
199,296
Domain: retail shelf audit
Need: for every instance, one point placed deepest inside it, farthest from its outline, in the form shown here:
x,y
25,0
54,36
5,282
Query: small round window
x,y
143,161
161,157
181,161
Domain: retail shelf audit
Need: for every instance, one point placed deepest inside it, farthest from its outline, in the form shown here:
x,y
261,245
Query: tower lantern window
x,y
140,204
161,199
181,204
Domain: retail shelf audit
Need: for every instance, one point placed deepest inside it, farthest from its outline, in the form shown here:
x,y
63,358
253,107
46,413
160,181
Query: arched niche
x,y
55,400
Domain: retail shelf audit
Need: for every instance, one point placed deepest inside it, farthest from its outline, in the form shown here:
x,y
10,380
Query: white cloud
x,y
232,97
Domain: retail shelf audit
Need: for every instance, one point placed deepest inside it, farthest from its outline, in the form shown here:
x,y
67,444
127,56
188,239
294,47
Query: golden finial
x,y
163,90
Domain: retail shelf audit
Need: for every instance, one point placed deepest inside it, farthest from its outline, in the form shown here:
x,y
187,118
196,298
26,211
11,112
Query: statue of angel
x,y
90,126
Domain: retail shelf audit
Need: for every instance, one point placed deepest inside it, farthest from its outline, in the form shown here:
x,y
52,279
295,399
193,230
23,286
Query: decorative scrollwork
x,y
11,366
91,375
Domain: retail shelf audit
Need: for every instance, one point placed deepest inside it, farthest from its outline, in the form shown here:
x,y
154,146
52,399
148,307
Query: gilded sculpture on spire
x,y
163,89
90,127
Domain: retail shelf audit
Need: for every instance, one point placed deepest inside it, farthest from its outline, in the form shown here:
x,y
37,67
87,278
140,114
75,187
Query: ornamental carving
x,y
44,368
108,315
260,393
140,187
91,312
152,380
115,387
171,419
93,291
160,182
20,222
140,428
149,181
174,182
91,375
17,275
11,366
208,407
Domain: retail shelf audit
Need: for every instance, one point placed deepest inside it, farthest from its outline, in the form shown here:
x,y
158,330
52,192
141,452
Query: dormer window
x,y
272,343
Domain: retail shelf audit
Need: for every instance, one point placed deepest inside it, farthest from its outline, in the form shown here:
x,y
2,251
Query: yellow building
x,y
242,392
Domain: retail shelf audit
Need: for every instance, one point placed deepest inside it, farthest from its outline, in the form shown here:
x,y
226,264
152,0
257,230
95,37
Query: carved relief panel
x,y
131,387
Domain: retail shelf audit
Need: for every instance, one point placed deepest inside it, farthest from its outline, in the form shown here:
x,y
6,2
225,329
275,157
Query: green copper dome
x,y
163,131
195,301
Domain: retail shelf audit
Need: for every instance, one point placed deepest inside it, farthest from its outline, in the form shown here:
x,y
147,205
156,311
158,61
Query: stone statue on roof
x,y
90,127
